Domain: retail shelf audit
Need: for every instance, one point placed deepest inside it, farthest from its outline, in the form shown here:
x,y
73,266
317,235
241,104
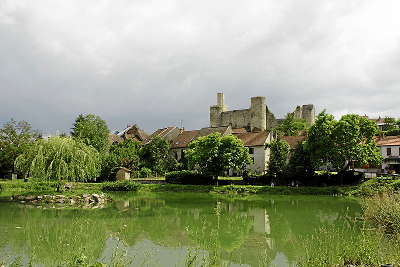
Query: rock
x,y
68,186
96,197
30,198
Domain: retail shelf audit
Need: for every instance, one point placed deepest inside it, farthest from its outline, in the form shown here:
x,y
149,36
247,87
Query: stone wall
x,y
253,119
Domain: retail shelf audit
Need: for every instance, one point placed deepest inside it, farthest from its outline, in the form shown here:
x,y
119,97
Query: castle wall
x,y
236,118
256,118
258,111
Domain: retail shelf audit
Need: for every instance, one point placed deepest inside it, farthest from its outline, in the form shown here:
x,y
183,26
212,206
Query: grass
x,y
368,248
383,212
375,186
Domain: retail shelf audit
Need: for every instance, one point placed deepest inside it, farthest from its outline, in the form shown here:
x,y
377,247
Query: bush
x,y
1,188
145,173
383,211
188,177
120,186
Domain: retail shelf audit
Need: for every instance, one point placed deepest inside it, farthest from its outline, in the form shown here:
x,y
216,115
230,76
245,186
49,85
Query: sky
x,y
157,63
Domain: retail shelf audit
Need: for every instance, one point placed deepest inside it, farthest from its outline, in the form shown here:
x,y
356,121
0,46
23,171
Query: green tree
x,y
156,156
341,143
15,137
291,126
125,154
91,130
279,158
300,164
215,154
59,158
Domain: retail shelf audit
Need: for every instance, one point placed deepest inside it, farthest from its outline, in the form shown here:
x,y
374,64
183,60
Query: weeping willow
x,y
60,158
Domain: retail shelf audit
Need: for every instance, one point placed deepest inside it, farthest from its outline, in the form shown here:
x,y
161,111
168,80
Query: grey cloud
x,y
158,62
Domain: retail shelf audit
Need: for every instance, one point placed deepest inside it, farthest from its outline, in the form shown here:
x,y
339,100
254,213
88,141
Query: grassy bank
x,y
12,188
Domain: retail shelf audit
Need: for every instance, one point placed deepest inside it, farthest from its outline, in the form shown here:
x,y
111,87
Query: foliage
x,y
329,248
215,154
279,158
383,212
59,158
300,164
91,130
291,126
120,186
341,143
156,156
15,137
188,177
145,172
124,154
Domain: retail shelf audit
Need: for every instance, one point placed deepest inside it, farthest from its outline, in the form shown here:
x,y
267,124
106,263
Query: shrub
x,y
188,177
120,186
383,211
145,172
1,188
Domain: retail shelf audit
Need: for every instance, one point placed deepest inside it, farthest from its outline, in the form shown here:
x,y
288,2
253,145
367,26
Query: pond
x,y
173,229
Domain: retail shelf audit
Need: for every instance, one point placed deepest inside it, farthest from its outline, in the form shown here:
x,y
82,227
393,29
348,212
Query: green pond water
x,y
173,229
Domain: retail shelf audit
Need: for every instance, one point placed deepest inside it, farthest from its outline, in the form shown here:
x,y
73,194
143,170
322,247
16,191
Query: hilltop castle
x,y
256,118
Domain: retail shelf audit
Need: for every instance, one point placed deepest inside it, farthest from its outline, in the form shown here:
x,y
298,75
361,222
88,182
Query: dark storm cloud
x,y
156,63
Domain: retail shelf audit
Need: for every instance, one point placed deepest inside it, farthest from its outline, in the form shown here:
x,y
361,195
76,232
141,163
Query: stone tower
x,y
216,111
308,114
305,112
258,113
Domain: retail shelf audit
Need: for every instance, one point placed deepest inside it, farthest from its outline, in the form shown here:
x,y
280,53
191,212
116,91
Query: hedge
x,y
188,177
120,186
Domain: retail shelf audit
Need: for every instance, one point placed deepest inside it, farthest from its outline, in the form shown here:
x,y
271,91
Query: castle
x,y
256,118
254,126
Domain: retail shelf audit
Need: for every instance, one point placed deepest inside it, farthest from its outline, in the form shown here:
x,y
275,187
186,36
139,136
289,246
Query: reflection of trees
x,y
248,231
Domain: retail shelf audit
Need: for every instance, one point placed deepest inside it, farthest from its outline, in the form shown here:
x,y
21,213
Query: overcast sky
x,y
155,63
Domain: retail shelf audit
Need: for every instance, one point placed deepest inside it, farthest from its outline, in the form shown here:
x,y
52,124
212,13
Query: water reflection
x,y
179,229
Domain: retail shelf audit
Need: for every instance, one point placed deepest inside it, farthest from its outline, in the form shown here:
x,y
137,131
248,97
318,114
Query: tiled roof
x,y
239,130
133,132
114,138
253,139
388,141
293,141
162,132
185,137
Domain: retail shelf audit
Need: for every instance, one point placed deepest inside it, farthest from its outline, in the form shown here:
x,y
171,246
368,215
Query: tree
x,y
319,139
341,143
125,154
91,130
156,156
215,154
279,158
59,158
300,164
15,137
291,126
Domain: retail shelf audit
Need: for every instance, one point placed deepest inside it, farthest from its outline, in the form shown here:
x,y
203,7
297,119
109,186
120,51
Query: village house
x,y
256,142
389,147
252,125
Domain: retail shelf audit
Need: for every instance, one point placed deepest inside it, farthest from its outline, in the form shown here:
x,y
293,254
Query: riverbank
x,y
20,188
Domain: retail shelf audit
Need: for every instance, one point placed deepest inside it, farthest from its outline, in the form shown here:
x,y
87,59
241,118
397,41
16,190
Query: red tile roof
x,y
388,141
293,141
253,139
185,137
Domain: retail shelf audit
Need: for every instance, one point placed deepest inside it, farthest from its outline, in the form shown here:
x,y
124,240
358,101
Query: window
x,y
389,151
251,150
